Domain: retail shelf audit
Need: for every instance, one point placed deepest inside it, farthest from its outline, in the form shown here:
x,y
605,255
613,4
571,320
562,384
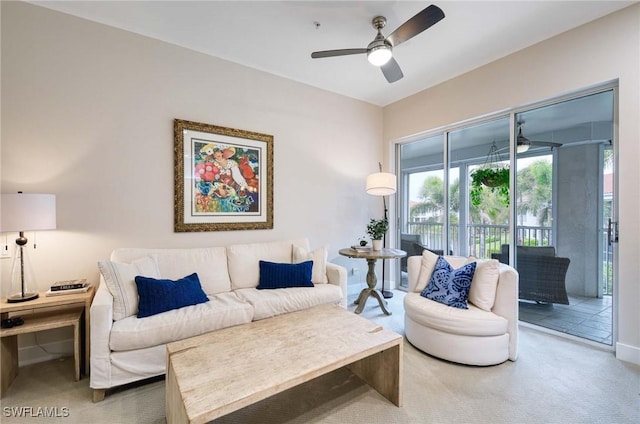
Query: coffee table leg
x,y
175,410
383,372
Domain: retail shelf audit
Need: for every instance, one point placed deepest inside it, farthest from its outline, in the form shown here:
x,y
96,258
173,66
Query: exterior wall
x,y
603,50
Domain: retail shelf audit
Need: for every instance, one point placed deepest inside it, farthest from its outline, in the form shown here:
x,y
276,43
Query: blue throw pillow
x,y
156,296
450,286
278,276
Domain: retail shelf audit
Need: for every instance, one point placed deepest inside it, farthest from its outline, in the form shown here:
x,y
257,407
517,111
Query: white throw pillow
x,y
120,280
243,261
319,258
484,283
426,269
429,262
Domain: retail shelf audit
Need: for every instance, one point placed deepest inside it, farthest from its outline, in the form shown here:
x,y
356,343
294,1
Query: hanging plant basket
x,y
493,175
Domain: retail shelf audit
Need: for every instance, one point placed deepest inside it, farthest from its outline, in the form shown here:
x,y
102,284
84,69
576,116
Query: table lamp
x,y
25,212
382,184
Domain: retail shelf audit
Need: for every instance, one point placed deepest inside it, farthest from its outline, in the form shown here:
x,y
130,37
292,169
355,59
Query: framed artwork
x,y
223,178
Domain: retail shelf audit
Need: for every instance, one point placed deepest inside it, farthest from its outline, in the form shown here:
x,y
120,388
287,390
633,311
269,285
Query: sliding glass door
x,y
533,188
564,201
473,223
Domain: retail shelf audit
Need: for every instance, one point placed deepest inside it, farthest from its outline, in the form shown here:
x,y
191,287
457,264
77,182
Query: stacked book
x,y
68,287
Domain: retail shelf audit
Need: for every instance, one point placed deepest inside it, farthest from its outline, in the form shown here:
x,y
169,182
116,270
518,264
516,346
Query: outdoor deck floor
x,y
585,317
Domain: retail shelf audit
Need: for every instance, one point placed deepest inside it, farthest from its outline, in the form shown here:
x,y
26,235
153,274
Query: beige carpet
x,y
554,381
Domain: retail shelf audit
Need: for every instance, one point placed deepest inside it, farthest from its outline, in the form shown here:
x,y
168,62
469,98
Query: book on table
x,y
67,291
69,285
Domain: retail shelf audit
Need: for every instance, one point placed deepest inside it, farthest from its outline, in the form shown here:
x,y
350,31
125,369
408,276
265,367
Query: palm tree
x,y
432,199
534,191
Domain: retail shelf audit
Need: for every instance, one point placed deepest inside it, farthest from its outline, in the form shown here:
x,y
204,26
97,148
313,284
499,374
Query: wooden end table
x,y
372,256
44,313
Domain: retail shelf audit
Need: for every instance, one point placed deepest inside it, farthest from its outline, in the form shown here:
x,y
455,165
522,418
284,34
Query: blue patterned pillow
x,y
450,286
277,276
156,296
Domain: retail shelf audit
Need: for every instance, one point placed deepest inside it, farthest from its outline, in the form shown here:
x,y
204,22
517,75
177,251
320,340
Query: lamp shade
x,y
381,184
27,212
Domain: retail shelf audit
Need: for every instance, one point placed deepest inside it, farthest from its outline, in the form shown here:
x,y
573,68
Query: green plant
x,y
493,179
377,228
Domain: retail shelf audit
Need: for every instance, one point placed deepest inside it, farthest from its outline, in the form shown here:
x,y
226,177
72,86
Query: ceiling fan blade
x,y
332,53
414,26
392,71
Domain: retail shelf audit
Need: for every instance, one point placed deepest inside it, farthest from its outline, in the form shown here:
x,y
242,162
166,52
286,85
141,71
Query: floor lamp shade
x,y
381,184
19,213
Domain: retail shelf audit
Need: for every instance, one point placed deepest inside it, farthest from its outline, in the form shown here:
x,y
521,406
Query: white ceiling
x,y
279,36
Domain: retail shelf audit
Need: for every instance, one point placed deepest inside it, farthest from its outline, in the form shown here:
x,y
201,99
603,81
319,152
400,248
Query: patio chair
x,y
411,243
542,273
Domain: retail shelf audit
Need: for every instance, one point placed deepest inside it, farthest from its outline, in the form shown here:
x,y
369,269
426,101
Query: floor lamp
x,y
25,212
382,184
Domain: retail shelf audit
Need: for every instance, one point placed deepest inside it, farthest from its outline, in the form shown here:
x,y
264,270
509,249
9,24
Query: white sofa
x,y
484,334
125,349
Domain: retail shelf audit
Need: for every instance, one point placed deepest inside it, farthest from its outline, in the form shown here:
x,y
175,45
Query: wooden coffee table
x,y
220,372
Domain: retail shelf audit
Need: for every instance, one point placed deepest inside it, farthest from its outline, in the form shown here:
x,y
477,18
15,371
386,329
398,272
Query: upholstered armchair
x,y
484,334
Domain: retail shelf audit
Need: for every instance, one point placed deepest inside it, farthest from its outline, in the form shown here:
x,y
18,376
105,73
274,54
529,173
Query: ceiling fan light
x,y
522,142
522,147
379,55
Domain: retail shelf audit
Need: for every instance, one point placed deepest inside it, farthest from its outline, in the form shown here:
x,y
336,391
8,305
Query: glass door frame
x,y
512,113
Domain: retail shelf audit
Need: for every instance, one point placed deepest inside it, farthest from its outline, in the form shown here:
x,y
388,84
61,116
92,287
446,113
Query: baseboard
x,y
628,353
33,354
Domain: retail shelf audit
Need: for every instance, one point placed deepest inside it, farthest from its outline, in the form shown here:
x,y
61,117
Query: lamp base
x,y
22,297
387,294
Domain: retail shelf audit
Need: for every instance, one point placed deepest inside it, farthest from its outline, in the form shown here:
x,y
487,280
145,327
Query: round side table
x,y
372,256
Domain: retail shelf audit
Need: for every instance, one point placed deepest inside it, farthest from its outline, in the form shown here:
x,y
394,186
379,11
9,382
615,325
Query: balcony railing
x,y
483,239
487,239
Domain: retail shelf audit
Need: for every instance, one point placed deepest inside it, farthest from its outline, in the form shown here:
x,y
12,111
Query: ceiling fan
x,y
380,50
523,143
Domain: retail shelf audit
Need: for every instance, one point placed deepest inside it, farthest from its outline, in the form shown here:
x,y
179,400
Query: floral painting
x,y
223,178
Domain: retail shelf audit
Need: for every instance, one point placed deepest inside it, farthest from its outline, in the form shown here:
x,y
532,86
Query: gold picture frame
x,y
223,178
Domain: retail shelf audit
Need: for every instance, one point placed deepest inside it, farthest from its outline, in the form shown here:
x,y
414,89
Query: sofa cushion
x,y
485,283
119,278
448,285
243,260
210,263
467,322
160,295
429,262
221,311
274,275
319,257
269,303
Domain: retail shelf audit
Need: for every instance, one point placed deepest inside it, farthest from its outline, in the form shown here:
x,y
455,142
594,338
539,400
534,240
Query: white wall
x,y
88,115
604,50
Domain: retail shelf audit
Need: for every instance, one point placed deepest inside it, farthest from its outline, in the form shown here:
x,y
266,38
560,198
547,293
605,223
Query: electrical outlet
x,y
355,271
